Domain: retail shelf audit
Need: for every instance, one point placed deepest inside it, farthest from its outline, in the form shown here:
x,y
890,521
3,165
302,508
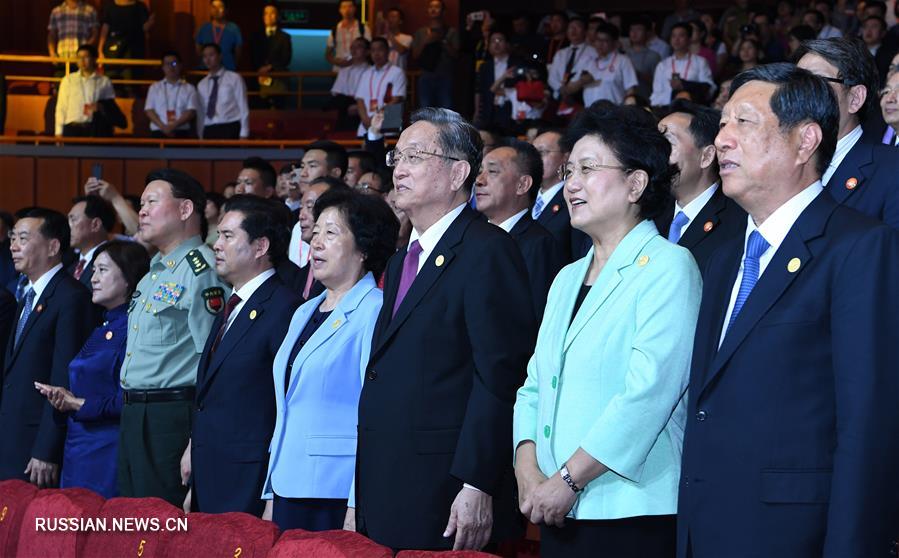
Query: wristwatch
x,y
566,476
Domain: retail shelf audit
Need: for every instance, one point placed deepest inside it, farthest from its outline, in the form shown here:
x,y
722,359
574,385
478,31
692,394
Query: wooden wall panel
x,y
136,171
201,170
222,173
16,183
57,183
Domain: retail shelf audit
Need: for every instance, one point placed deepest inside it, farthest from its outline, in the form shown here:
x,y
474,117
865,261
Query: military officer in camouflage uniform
x,y
169,320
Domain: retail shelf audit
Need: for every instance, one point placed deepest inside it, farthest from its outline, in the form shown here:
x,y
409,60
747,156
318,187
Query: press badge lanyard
x,y
170,112
610,67
88,101
686,70
374,101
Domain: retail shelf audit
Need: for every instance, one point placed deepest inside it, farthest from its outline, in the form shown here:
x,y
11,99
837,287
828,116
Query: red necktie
x,y
232,303
79,268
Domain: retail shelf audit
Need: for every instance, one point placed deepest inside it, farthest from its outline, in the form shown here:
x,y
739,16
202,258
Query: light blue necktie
x,y
674,230
538,208
20,327
755,247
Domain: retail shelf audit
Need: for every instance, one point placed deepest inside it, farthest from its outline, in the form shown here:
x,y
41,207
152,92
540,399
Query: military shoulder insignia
x,y
197,262
214,299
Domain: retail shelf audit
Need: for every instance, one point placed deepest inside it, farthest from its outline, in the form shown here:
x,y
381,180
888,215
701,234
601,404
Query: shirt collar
x,y
844,146
692,209
779,223
89,255
429,239
253,284
42,282
510,223
550,193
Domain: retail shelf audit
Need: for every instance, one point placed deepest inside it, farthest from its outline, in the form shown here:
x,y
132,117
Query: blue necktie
x,y
20,287
755,247
538,208
213,97
674,230
20,327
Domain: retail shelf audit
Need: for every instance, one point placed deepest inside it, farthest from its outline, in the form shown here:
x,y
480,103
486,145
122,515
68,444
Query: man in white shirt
x,y
381,84
91,220
343,92
682,71
399,42
80,94
861,175
172,103
793,382
340,40
610,76
223,99
567,65
702,218
506,184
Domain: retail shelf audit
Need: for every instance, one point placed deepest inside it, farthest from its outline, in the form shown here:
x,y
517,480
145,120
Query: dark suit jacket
x,y
436,406
234,412
7,318
556,219
876,192
490,115
543,258
275,50
786,446
724,219
61,321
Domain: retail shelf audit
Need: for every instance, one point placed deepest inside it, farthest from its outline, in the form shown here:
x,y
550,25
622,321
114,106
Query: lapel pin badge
x,y
439,261
336,324
108,335
643,260
708,226
852,183
794,265
555,208
253,314
40,308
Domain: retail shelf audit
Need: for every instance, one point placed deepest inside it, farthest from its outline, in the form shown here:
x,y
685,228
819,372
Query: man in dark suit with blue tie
x,y
450,349
790,447
701,218
53,320
862,174
234,411
504,188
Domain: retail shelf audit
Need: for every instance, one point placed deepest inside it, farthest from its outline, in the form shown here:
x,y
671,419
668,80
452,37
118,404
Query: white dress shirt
x,y
844,146
246,292
547,196
373,85
692,209
298,251
347,82
510,223
829,32
40,285
345,36
773,230
613,75
76,94
582,59
231,104
691,67
395,58
178,97
429,238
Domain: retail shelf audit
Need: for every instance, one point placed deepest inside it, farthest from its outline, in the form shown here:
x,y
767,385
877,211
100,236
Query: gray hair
x,y
455,136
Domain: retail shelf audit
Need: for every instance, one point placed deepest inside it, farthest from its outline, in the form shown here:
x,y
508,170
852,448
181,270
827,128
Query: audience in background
x,y
435,48
272,51
172,103
219,31
72,23
85,106
338,52
224,113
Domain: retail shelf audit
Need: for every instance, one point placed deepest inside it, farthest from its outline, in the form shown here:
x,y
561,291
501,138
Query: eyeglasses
x,y
368,186
412,156
568,171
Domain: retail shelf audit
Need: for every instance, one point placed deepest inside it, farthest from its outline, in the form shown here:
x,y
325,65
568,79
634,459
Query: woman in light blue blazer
x,y
599,422
320,366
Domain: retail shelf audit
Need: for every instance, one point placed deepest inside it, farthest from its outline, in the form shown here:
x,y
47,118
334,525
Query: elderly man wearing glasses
x,y
172,103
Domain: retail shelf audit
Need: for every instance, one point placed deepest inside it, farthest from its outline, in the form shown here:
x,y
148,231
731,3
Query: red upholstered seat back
x,y
443,554
127,534
15,496
50,506
235,534
297,543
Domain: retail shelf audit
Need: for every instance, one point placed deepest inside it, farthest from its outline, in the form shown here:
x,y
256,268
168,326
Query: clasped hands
x,y
542,499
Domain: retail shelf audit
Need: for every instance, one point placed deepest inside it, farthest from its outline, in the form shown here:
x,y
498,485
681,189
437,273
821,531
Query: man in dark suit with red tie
x,y
790,444
91,219
234,410
433,467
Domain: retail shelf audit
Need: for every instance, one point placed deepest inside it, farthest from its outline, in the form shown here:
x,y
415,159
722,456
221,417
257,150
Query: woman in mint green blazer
x,y
599,421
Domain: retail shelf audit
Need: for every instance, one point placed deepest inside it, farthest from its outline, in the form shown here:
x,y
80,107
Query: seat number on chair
x,y
237,552
140,548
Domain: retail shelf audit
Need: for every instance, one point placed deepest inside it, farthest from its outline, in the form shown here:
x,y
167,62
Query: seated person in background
x,y
340,40
214,203
889,105
359,162
382,84
611,75
172,103
93,400
223,99
79,112
375,183
346,86
257,178
682,71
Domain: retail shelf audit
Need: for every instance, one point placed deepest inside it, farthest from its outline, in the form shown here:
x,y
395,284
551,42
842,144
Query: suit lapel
x,y
548,213
708,215
522,226
775,280
856,165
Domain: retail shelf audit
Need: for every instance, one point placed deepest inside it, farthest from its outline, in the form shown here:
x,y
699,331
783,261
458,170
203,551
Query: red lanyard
x,y
686,70
610,67
371,82
345,39
217,35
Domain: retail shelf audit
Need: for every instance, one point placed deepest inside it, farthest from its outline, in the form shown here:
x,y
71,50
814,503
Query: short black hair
x,y
96,207
399,11
262,218
800,97
803,33
55,226
367,161
90,49
529,163
374,226
184,187
819,17
380,40
456,137
608,29
130,257
853,61
640,20
634,138
213,46
704,123
879,4
682,25
331,181
335,154
173,53
217,199
264,168
878,19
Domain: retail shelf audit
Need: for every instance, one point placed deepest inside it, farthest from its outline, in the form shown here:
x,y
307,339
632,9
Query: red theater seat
x,y
14,498
63,515
127,534
443,554
225,534
297,543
